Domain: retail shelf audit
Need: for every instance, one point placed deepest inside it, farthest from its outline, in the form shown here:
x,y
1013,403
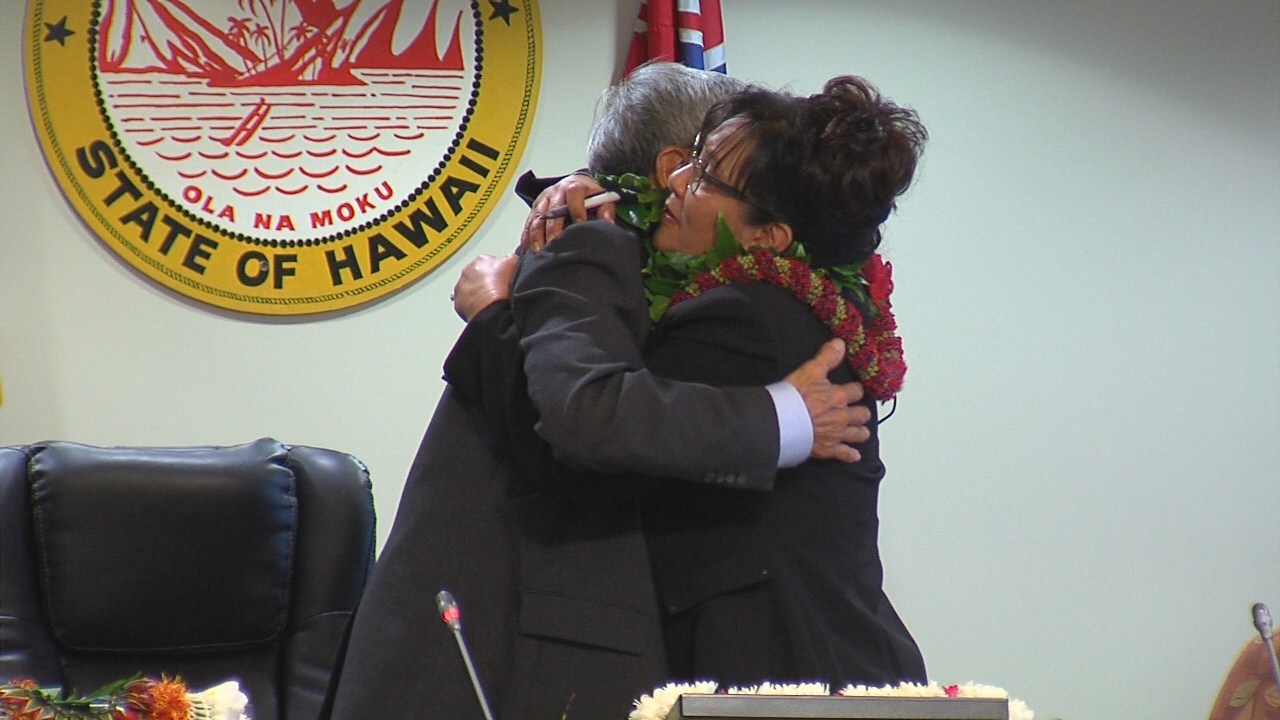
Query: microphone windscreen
x,y
449,609
1262,619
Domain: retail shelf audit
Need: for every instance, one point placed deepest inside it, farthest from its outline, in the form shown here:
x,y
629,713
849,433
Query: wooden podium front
x,y
797,707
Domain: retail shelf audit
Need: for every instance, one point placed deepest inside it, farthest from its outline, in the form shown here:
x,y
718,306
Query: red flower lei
x,y
872,348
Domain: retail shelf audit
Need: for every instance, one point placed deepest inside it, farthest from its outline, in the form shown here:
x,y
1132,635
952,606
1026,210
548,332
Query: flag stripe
x,y
686,31
713,58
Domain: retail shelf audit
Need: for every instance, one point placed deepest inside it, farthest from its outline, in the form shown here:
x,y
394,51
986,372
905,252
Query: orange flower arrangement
x,y
136,698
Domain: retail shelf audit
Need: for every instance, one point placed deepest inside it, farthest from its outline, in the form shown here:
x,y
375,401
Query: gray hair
x,y
657,105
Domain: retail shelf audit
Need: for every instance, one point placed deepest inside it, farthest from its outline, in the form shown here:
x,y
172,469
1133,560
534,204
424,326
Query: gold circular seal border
x,y
201,262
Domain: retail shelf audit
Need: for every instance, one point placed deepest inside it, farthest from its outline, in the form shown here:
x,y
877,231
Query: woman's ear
x,y
776,235
669,159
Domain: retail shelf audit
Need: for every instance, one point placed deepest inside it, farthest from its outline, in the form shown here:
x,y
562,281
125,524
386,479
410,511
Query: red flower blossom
x,y
879,275
952,690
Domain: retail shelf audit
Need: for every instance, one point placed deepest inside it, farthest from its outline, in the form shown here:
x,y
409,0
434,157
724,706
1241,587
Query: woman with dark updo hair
x,y
829,166
783,585
765,250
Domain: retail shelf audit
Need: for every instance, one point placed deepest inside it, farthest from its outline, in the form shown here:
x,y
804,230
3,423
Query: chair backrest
x,y
208,563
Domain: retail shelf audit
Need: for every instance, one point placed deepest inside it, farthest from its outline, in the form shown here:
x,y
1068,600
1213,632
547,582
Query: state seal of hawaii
x,y
282,157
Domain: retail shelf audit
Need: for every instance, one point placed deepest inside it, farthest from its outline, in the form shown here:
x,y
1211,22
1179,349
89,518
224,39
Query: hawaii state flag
x,y
689,32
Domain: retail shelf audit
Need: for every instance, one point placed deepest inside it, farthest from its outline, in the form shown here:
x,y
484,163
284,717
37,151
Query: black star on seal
x,y
58,32
503,9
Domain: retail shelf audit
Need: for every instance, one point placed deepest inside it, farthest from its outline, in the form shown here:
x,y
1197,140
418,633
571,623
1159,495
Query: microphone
x,y
453,618
1262,621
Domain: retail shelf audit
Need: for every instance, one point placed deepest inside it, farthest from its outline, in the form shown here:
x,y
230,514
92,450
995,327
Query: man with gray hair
x,y
646,125
658,106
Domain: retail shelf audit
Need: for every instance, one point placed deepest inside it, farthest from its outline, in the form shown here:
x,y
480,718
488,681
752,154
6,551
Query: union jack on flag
x,y
689,32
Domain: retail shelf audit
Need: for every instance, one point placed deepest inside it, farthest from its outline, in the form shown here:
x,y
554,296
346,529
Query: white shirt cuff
x,y
795,429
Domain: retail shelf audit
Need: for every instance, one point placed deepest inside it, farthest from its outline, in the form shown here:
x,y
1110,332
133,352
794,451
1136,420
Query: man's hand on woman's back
x,y
839,422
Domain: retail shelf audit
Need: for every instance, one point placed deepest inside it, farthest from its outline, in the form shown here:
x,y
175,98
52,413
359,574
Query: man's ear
x,y
776,235
669,159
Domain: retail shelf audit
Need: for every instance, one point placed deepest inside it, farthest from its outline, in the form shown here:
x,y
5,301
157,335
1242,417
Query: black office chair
x,y
207,563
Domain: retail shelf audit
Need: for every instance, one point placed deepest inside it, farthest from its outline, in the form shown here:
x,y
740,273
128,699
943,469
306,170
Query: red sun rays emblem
x,y
288,120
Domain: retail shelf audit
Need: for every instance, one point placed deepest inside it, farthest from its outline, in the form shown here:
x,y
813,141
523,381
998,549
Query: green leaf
x,y
725,246
850,280
847,276
641,204
658,307
630,181
633,215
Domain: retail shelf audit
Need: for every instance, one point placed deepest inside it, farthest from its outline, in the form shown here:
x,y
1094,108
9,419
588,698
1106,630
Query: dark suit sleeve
x,y
580,309
485,353
484,371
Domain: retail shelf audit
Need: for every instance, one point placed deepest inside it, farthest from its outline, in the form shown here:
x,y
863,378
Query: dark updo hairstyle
x,y
830,165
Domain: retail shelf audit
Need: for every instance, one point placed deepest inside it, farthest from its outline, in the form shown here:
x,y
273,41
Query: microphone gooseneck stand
x,y
1262,621
452,617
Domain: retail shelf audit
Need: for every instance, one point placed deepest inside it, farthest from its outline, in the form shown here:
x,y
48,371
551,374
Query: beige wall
x,y
1082,495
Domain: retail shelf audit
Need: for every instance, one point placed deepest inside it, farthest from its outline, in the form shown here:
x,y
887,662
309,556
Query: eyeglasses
x,y
701,174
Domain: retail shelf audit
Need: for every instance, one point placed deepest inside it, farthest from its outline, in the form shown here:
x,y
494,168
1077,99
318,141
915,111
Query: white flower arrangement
x,y
658,705
220,702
